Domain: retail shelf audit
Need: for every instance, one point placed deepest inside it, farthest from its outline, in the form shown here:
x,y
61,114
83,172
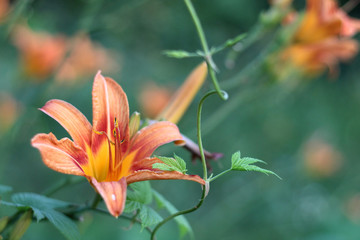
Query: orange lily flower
x,y
324,19
317,57
112,153
321,41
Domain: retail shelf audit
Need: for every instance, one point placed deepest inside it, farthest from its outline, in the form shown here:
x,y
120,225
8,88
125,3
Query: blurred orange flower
x,y
41,53
9,111
321,159
317,57
85,58
322,39
324,19
112,153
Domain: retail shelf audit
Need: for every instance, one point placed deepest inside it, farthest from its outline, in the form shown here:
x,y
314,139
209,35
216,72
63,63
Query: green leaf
x,y
132,206
148,216
64,224
183,224
245,164
233,41
171,164
44,207
37,202
179,54
137,200
5,189
141,192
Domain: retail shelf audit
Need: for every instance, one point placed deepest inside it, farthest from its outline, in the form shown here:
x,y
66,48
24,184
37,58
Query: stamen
x,y
101,133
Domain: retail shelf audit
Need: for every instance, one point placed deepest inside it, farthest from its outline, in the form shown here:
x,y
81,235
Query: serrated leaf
x,y
181,163
131,206
44,207
245,164
171,164
163,167
183,224
5,189
148,216
141,192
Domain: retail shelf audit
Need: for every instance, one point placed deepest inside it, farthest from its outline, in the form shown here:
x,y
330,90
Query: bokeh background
x,y
309,134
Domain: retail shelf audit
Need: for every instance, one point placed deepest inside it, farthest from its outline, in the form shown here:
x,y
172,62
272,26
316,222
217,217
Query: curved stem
x,y
198,124
203,161
178,214
208,58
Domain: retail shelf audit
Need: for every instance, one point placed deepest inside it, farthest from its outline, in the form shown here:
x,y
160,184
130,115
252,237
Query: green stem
x,y
219,175
208,58
198,124
132,219
203,161
178,214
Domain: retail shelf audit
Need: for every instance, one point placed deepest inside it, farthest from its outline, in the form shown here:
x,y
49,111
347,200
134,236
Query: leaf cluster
x,y
45,208
171,164
246,164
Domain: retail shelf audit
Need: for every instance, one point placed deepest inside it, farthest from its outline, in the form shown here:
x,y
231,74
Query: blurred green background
x,y
309,135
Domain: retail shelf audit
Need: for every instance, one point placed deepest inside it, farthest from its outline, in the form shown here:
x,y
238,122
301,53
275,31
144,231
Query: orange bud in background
x,y
185,94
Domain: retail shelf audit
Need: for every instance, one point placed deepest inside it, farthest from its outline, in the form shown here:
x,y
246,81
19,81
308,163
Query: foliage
x,y
282,109
171,164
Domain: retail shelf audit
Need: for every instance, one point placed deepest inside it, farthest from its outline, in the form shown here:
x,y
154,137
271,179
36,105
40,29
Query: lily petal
x,y
62,156
144,175
183,97
113,193
74,122
109,102
153,136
